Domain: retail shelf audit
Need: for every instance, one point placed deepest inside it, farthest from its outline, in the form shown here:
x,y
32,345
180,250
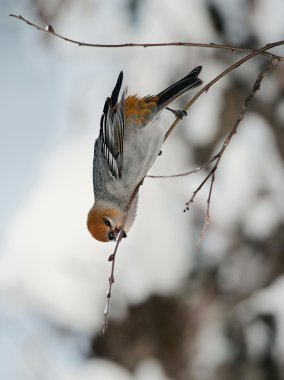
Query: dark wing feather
x,y
112,129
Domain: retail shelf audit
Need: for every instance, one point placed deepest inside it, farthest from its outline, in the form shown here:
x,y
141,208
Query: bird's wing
x,y
112,129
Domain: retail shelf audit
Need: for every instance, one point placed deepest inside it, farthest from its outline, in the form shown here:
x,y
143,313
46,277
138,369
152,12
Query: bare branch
x,y
200,187
111,280
50,30
208,163
219,155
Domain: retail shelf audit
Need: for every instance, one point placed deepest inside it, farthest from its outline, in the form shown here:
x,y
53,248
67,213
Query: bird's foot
x,y
178,113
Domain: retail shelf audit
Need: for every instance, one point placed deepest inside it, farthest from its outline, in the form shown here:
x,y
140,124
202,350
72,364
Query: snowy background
x,y
177,312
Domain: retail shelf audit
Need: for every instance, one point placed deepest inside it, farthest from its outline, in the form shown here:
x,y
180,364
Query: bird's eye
x,y
111,236
107,223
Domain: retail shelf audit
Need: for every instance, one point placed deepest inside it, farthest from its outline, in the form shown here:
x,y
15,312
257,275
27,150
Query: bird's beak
x,y
116,232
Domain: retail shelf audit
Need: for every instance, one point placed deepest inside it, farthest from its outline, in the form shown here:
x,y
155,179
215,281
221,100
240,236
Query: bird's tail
x,y
185,84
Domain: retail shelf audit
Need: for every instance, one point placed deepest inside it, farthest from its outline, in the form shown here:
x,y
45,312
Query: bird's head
x,y
105,222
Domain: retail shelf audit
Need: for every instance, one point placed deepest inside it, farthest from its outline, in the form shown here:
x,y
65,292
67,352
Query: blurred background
x,y
177,312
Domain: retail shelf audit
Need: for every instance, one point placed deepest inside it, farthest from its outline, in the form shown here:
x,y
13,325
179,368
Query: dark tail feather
x,y
190,81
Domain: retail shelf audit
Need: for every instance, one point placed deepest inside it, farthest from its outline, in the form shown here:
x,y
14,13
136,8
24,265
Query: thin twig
x,y
199,188
111,281
50,30
208,163
207,217
112,258
219,155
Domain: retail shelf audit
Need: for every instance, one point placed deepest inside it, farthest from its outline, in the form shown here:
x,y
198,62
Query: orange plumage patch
x,y
140,110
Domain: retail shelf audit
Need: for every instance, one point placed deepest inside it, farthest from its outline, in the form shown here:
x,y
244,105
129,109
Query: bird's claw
x,y
180,114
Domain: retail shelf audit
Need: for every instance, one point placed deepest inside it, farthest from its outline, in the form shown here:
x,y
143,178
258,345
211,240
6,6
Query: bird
x,y
130,139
